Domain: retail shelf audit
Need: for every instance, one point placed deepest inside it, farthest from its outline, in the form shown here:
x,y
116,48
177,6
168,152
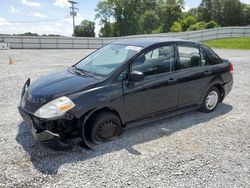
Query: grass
x,y
230,43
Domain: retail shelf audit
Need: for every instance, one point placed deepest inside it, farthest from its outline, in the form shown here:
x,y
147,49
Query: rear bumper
x,y
228,87
45,137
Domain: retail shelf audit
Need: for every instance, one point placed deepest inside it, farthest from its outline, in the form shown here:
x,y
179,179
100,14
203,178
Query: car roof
x,y
146,42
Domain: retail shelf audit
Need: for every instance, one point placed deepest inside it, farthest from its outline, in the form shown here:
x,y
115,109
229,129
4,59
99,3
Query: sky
x,y
54,12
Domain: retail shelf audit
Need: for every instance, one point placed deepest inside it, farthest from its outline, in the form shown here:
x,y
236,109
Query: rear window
x,y
213,58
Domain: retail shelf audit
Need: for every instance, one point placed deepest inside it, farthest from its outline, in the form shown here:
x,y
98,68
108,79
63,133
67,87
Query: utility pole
x,y
73,13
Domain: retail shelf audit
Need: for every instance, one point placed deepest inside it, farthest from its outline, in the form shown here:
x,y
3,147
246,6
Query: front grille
x,y
31,107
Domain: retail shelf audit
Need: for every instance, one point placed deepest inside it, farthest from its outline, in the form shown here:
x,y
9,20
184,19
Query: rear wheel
x,y
211,100
106,127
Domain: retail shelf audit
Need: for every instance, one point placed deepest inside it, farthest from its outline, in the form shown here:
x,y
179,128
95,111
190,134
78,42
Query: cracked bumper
x,y
45,137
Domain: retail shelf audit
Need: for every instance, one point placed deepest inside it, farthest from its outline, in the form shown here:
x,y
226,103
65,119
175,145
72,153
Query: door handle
x,y
172,80
207,73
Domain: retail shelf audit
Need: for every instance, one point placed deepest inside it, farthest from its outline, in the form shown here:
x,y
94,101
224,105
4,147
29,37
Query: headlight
x,y
55,108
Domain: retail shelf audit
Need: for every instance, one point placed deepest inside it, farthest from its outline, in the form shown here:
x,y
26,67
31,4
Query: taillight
x,y
231,68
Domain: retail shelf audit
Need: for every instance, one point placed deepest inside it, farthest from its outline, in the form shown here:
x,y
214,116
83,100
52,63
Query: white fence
x,y
22,42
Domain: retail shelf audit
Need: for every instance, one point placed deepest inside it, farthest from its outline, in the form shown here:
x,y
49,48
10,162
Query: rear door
x,y
194,76
158,92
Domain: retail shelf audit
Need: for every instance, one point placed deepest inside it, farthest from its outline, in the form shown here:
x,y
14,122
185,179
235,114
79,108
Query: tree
x,y
150,21
187,22
132,16
205,10
125,14
85,29
107,30
147,5
217,10
176,27
158,30
192,12
212,24
129,17
197,26
28,34
224,12
246,14
233,13
51,35
169,11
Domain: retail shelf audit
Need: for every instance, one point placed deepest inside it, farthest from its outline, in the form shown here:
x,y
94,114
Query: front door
x,y
158,92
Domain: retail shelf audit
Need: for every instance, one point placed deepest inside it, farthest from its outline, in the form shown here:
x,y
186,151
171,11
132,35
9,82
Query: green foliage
x,y
212,24
158,30
107,30
224,12
246,14
50,35
203,25
130,17
176,27
27,34
192,12
197,26
205,10
125,13
169,11
31,34
187,22
150,21
134,16
233,13
85,29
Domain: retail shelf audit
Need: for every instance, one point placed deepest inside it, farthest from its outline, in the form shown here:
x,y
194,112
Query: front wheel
x,y
211,100
106,127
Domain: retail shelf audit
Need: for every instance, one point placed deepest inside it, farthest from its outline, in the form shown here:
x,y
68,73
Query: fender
x,y
213,82
86,117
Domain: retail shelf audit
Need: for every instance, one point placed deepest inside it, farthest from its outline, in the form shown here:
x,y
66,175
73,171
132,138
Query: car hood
x,y
59,84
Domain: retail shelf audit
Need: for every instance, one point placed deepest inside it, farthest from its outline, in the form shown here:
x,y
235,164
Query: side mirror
x,y
136,76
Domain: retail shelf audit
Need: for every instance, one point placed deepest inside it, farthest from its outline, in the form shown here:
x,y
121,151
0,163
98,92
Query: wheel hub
x,y
212,100
107,130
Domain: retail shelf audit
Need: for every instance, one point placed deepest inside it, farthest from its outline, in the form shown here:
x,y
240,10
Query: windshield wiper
x,y
82,72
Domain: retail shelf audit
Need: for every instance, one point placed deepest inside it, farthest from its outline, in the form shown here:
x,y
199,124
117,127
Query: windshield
x,y
107,59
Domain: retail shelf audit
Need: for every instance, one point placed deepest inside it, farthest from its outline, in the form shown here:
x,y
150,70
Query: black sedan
x,y
122,83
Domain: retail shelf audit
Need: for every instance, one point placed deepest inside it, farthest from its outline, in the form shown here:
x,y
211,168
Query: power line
x,y
34,21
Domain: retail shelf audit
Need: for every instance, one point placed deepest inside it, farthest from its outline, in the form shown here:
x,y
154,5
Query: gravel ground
x,y
189,150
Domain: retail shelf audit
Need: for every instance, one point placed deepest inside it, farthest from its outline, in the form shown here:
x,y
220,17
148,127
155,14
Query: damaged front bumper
x,y
58,134
44,137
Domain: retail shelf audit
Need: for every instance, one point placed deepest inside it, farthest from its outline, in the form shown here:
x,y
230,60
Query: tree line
x,y
131,17
31,34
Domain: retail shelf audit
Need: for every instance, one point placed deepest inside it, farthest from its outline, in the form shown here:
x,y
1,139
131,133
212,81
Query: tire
x,y
211,100
106,127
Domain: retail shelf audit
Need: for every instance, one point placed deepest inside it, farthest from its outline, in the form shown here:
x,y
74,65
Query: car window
x,y
189,57
107,59
123,75
157,61
213,58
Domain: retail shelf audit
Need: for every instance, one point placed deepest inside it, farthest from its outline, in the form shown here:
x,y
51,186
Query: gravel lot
x,y
189,150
